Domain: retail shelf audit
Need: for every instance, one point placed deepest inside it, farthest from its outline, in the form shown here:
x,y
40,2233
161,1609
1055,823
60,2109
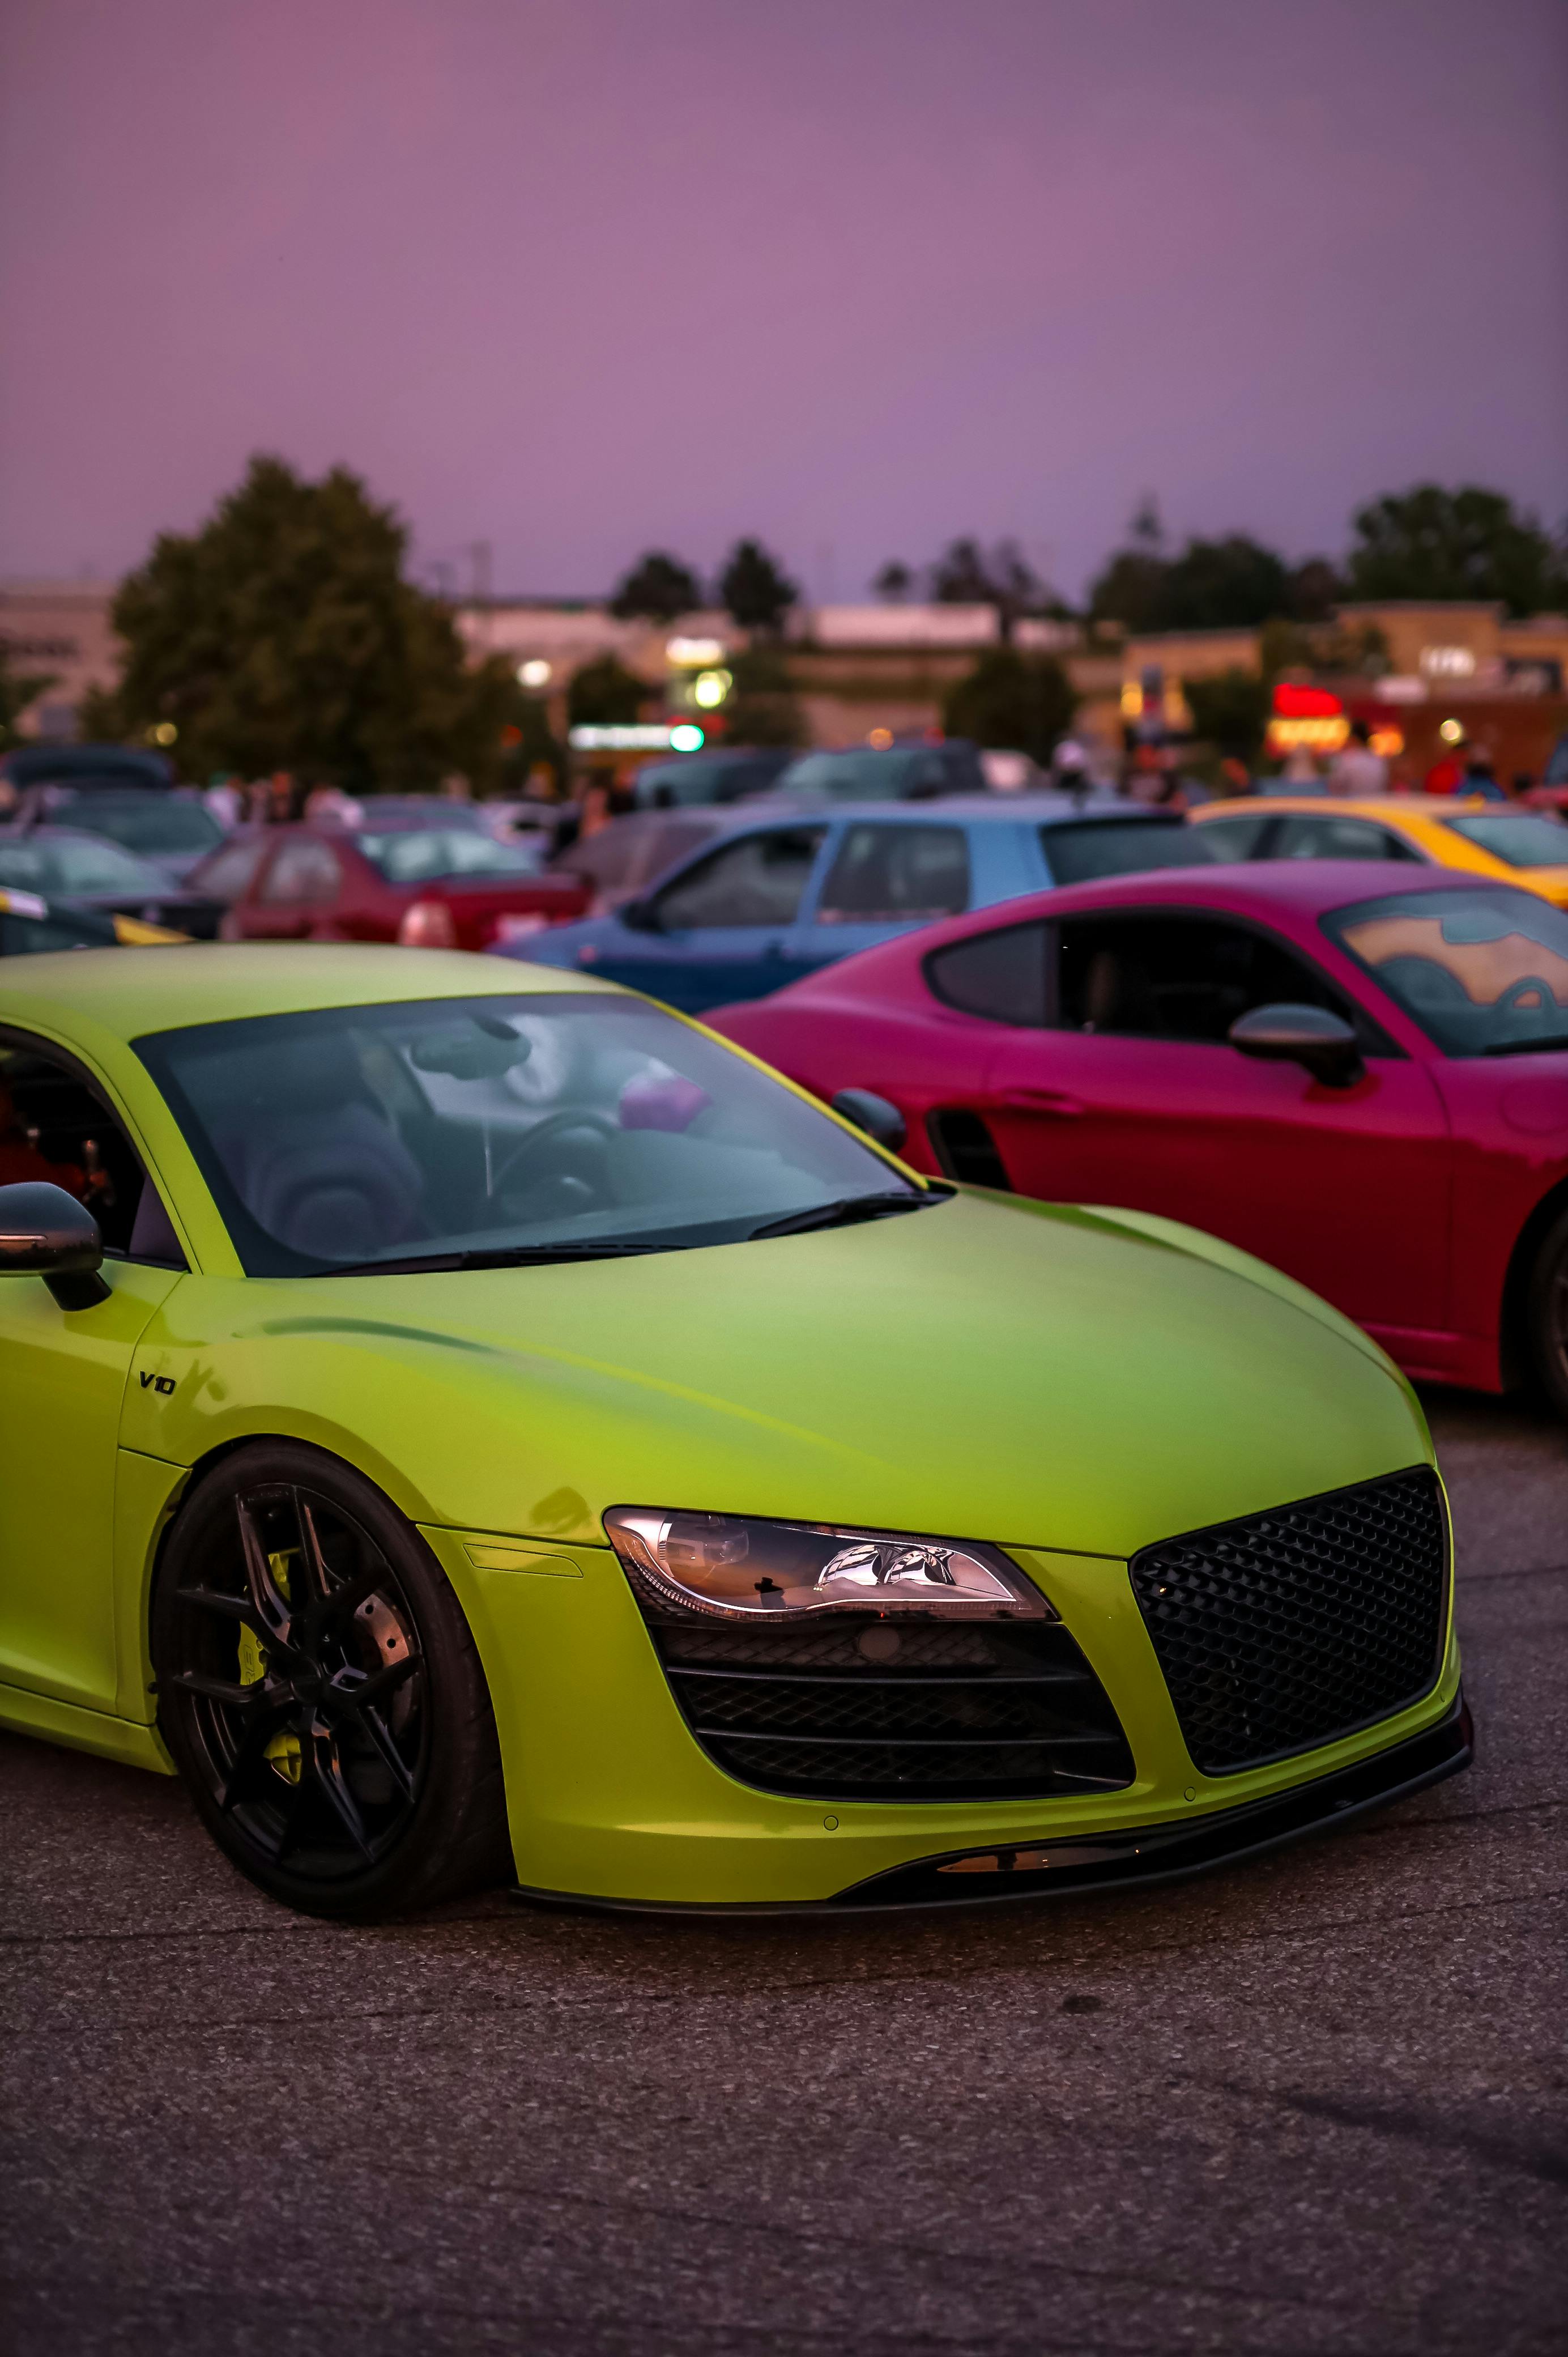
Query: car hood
x,y
986,1368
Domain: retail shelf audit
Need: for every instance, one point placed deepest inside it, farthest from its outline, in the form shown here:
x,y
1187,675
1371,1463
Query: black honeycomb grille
x,y
858,1707
1286,1631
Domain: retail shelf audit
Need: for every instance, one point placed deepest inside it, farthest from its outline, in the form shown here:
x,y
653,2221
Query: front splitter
x,y
995,1874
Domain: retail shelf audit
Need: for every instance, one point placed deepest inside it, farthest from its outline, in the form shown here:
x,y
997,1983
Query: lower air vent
x,y
965,1149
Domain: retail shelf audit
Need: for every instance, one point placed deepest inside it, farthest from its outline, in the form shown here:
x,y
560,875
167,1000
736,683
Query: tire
x,y
1546,1314
340,1746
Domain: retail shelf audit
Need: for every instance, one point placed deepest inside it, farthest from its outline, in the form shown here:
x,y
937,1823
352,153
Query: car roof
x,y
1307,887
987,810
1383,807
217,982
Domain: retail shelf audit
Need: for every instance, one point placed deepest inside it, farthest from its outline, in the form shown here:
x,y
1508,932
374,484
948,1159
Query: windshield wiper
x,y
847,1209
1526,1046
503,1256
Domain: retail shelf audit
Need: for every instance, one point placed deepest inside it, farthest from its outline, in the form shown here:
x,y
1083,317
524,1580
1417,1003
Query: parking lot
x,y
1312,2104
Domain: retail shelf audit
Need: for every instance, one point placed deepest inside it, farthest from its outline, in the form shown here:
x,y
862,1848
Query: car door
x,y
723,924
295,894
881,877
1131,1094
63,1379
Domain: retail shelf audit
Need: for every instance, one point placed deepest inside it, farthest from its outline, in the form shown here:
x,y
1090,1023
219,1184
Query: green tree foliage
x,y
895,581
755,590
1469,543
1230,713
659,588
1022,702
967,574
762,707
605,695
17,690
283,635
1214,585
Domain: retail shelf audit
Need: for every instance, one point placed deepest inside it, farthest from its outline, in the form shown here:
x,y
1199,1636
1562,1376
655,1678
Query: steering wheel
x,y
554,1124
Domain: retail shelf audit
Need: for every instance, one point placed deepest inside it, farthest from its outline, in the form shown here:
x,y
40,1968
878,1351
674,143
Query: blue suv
x,y
782,896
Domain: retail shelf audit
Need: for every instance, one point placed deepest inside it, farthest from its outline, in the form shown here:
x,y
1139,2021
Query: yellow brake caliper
x,y
283,1749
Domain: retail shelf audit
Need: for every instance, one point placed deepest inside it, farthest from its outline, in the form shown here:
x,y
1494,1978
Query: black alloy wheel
x,y
320,1691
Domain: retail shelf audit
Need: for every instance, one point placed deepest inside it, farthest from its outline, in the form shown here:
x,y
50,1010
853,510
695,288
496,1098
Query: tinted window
x,y
1328,837
302,870
887,873
55,1128
1483,973
144,822
227,875
1176,977
419,854
904,773
999,975
20,936
1237,838
68,863
425,1130
1078,853
1524,838
757,881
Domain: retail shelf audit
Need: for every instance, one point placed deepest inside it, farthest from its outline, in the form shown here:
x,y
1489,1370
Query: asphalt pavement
x,y
1313,2104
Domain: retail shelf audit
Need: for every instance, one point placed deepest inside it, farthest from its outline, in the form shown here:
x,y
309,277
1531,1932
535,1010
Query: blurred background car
x,y
893,774
89,872
619,861
779,895
717,774
121,765
172,830
1357,1072
30,924
392,877
1517,847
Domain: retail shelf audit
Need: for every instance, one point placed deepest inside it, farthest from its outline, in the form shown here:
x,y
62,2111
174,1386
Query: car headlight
x,y
735,1567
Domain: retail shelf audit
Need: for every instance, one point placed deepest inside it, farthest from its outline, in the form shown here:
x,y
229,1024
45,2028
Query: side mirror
x,y
882,1122
45,1233
641,917
1310,1036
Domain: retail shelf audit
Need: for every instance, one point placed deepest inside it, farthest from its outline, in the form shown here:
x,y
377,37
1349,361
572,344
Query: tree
x,y
17,690
605,695
1312,591
1233,584
965,574
755,589
762,707
1230,713
1132,591
1023,702
1468,544
659,588
283,635
894,581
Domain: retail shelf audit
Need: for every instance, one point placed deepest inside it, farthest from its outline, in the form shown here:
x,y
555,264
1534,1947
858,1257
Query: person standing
x,y
1356,769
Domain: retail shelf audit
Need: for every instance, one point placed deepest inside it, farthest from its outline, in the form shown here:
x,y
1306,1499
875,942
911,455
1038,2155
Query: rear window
x,y
151,823
417,856
1237,838
1082,850
1524,838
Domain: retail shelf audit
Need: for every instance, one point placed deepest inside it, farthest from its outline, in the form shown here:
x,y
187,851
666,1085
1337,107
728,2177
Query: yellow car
x,y
1495,839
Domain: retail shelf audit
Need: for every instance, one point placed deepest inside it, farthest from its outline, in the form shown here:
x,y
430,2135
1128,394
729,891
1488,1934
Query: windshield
x,y
81,863
422,1131
416,855
1079,852
1484,972
1524,838
874,777
144,822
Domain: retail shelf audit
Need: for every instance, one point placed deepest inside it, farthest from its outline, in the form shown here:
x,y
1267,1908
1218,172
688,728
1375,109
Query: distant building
x,y
61,630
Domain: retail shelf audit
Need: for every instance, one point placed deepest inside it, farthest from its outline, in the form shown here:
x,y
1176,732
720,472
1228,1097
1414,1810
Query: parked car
x,y
896,774
620,861
88,871
119,765
780,896
509,1436
727,773
174,831
1484,838
446,886
30,924
1360,1075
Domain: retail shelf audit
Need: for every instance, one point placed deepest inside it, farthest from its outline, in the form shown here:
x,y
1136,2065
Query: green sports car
x,y
471,1422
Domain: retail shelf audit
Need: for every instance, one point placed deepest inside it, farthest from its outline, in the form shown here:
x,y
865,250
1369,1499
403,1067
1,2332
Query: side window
x,y
758,882
1177,977
227,875
999,976
304,869
1339,838
1237,838
54,1127
897,873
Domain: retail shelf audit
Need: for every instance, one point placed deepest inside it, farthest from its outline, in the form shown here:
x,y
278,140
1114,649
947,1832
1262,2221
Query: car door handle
x,y
1049,1101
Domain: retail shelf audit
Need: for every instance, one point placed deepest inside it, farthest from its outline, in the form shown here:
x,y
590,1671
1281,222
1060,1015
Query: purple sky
x,y
581,276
